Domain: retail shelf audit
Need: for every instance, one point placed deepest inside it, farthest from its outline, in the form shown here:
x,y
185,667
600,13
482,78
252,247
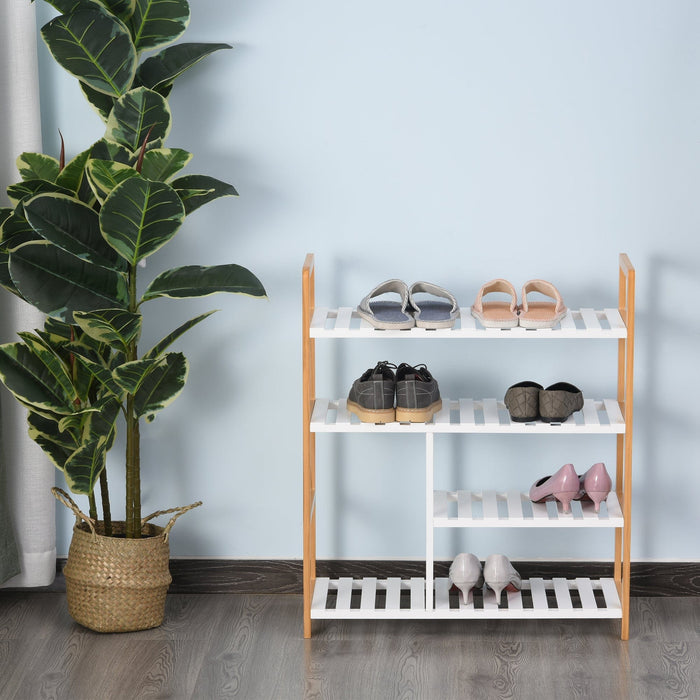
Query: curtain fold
x,y
28,477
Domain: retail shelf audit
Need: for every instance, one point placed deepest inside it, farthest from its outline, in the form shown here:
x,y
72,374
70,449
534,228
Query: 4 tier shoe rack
x,y
428,597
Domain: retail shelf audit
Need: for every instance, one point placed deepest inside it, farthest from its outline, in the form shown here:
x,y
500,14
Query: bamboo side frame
x,y
309,442
623,481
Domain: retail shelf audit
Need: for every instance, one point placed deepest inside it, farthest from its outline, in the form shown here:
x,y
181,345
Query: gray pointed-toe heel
x,y
466,573
500,574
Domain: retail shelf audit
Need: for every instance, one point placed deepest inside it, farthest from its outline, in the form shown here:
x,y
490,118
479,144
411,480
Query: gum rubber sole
x,y
370,415
417,415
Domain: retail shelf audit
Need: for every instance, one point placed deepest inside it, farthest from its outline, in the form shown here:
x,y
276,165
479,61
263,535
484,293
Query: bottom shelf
x,y
395,598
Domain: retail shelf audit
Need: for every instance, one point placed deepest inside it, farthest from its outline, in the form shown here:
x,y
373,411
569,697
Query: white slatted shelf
x,y
514,509
395,598
472,416
345,322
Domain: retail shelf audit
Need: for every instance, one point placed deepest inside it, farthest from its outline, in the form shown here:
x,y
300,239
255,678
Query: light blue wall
x,y
452,142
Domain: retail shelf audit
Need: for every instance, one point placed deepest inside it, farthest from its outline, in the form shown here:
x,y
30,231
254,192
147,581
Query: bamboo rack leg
x,y
309,442
624,443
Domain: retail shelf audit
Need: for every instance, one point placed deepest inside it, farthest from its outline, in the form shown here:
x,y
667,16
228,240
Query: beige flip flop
x,y
541,314
496,314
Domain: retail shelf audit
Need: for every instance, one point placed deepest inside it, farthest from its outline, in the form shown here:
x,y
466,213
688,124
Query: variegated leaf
x,y
73,227
131,375
37,166
158,22
22,191
162,69
137,113
169,339
31,381
139,217
198,190
115,327
53,363
59,283
83,467
95,47
162,163
105,175
103,376
197,281
161,386
72,177
101,103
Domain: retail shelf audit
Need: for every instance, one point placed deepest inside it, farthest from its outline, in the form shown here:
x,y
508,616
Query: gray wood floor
x,y
251,647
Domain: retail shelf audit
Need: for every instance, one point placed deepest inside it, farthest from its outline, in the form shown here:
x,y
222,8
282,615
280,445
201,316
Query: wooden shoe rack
x,y
428,597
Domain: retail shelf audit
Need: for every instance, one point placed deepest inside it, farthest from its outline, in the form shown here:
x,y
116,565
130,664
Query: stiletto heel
x,y
563,486
465,574
499,574
596,484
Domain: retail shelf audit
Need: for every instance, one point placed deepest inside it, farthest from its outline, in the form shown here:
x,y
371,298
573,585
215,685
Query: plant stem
x,y
93,505
106,510
133,462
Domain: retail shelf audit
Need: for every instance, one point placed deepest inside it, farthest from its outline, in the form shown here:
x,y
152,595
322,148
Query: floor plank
x,y
251,646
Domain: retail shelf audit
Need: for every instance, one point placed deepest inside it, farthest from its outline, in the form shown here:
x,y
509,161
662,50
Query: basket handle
x,y
67,501
180,510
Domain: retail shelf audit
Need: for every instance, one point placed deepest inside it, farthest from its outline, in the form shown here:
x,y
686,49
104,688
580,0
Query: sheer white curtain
x,y
29,475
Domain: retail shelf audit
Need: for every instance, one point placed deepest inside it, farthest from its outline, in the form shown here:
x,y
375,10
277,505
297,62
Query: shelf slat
x,y
472,416
393,598
345,322
514,509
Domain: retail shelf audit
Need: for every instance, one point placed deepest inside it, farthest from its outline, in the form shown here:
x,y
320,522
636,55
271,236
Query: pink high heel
x,y
596,484
563,486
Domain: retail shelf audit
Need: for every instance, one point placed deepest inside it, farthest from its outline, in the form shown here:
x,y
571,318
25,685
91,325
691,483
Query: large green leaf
x,y
83,468
102,375
158,22
197,281
105,175
131,375
160,70
162,163
57,444
53,363
95,47
115,327
37,166
21,191
101,103
73,175
72,226
121,8
161,386
111,150
59,283
140,216
197,190
31,381
5,214
169,339
16,231
137,113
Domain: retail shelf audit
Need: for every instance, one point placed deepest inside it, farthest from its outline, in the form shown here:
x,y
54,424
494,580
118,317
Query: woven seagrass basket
x,y
114,584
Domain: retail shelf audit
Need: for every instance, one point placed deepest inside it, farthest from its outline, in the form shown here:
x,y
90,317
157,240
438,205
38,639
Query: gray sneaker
x,y
417,394
371,397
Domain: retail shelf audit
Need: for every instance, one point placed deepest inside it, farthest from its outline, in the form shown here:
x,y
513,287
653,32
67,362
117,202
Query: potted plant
x,y
71,245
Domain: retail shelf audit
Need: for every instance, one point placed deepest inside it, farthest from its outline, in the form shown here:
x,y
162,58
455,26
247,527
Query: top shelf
x,y
345,322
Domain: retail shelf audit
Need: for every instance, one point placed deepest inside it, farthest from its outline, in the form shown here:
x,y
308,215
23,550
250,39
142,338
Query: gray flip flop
x,y
430,313
387,315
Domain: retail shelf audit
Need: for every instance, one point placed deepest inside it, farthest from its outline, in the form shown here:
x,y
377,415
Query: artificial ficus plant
x,y
77,233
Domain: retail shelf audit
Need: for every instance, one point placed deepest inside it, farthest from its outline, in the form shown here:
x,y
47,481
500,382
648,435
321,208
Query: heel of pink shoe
x,y
565,498
597,497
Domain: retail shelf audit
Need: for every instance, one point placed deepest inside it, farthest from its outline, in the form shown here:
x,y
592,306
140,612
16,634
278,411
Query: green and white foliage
x,y
75,233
